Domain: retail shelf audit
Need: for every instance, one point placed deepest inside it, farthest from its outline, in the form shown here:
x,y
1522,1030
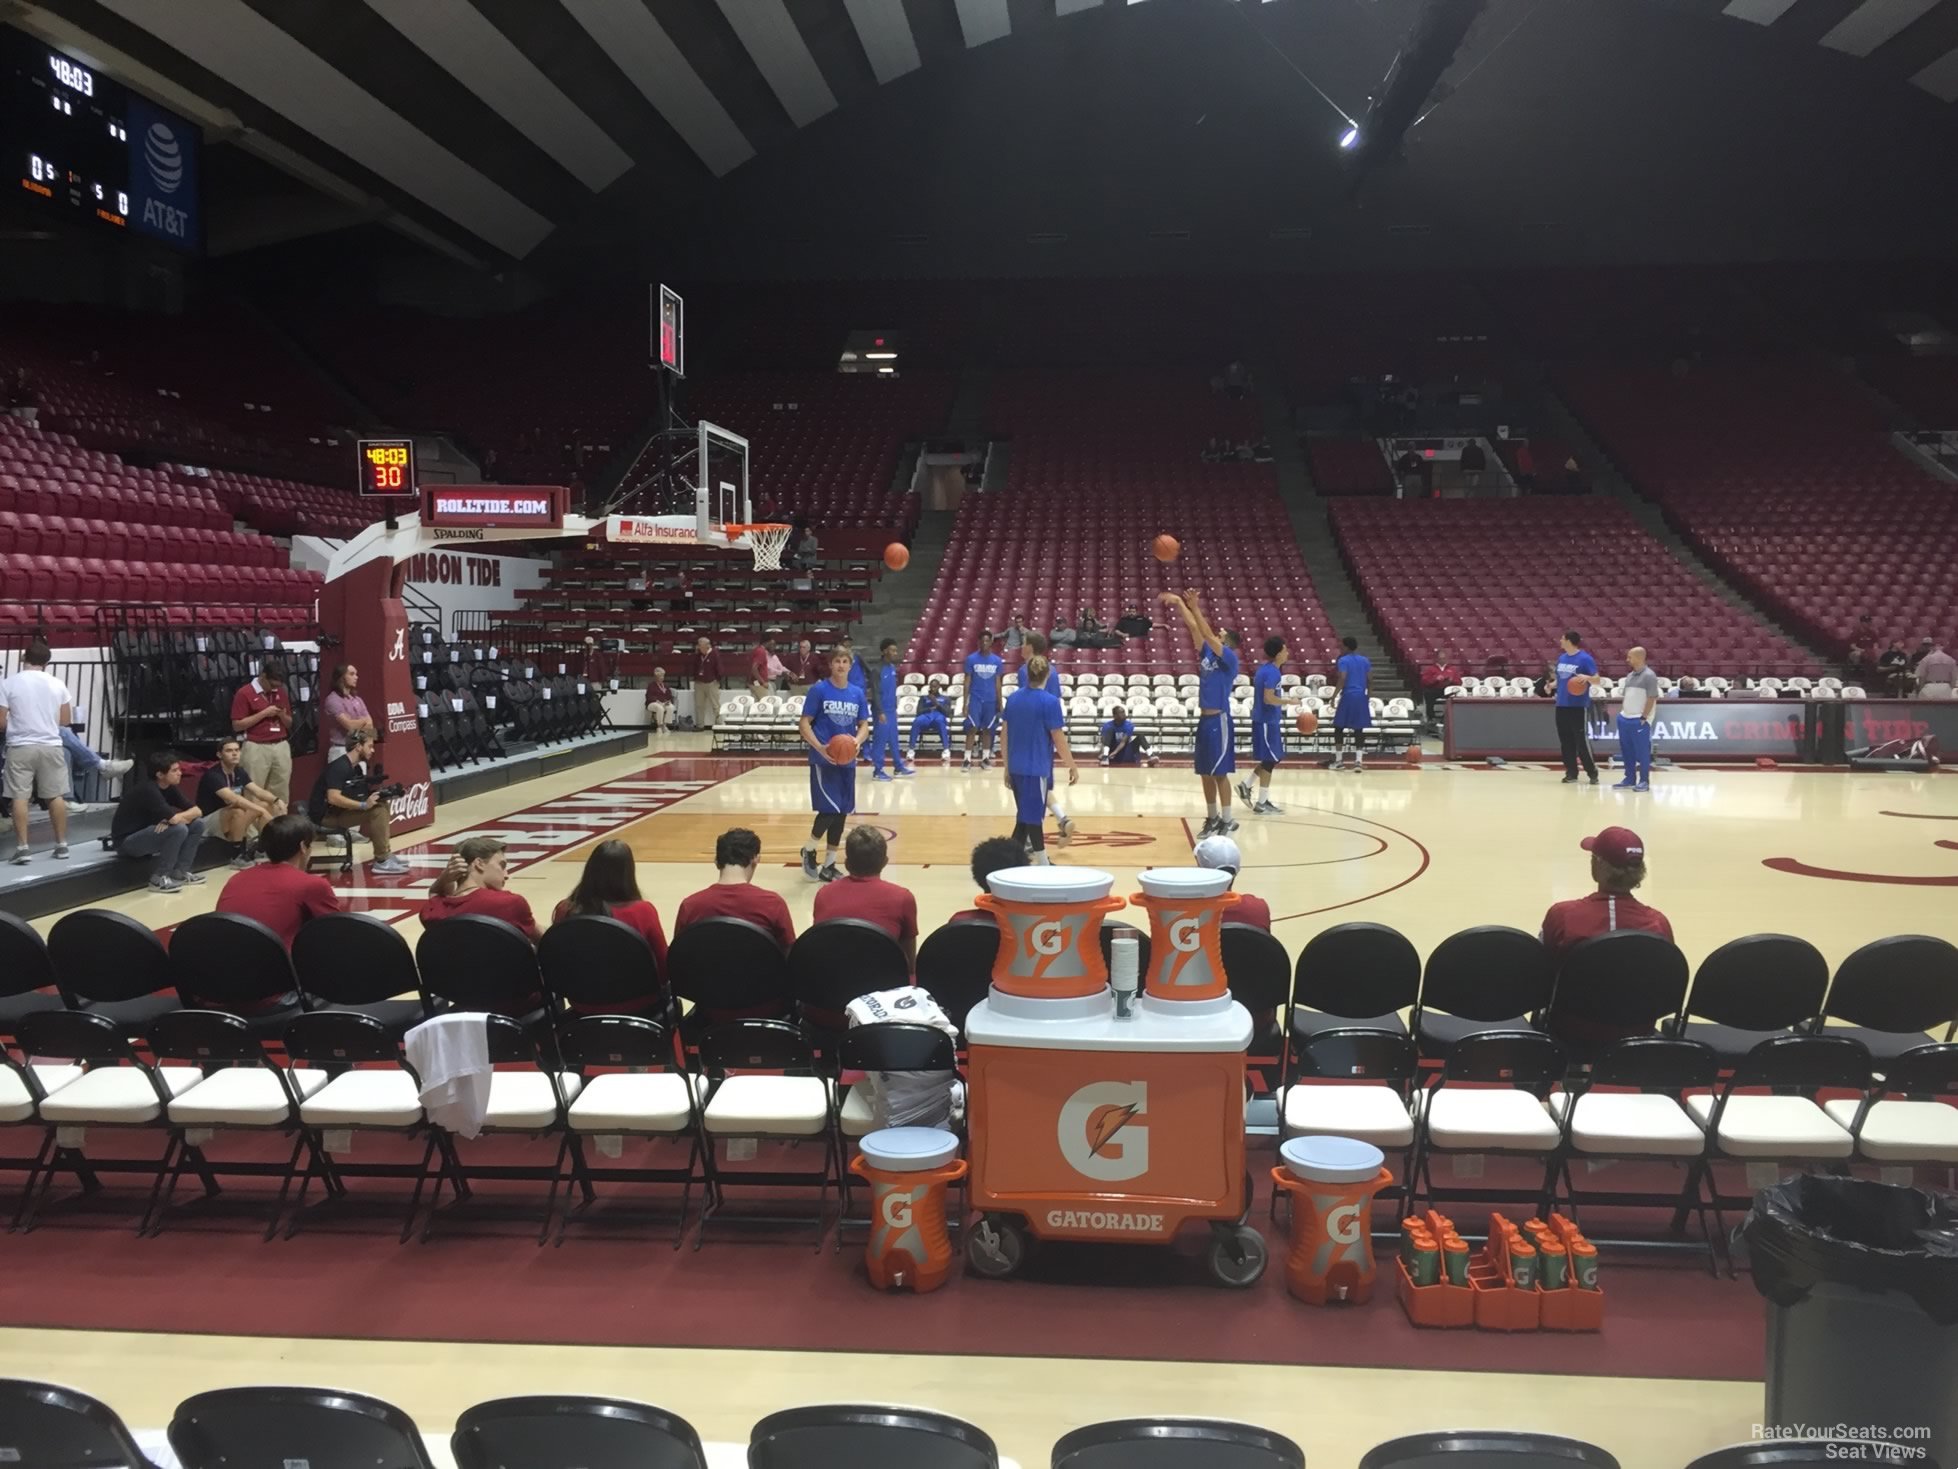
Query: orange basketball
x,y
842,749
897,556
1308,722
1167,548
1579,683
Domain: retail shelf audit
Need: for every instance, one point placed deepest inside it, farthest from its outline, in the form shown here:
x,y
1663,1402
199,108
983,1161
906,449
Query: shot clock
x,y
387,467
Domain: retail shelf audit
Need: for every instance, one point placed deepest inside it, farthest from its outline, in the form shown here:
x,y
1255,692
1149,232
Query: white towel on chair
x,y
451,1056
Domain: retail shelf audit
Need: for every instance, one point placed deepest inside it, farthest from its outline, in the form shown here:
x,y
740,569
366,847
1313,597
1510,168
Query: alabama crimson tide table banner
x,y
1687,729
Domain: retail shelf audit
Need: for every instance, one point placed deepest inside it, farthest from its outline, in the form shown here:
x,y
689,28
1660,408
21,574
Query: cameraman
x,y
346,797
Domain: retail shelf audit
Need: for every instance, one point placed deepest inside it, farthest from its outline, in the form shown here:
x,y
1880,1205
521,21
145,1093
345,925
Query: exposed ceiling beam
x,y
1872,23
1940,78
465,43
984,20
886,36
639,46
1761,12
768,31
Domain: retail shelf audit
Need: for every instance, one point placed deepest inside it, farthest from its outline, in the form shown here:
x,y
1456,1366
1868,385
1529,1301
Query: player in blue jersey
x,y
933,716
1352,708
1037,646
984,669
1267,728
1216,741
1574,707
883,709
833,707
1034,734
859,675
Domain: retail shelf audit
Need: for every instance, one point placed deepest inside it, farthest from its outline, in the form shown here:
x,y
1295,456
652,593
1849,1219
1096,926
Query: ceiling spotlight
x,y
1350,137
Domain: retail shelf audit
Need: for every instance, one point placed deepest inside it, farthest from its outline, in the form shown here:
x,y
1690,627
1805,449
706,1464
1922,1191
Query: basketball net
x,y
766,541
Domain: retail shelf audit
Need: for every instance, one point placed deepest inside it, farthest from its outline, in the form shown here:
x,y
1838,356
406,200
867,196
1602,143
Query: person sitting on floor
x,y
239,805
1121,744
609,888
994,854
153,819
281,893
864,894
475,881
733,893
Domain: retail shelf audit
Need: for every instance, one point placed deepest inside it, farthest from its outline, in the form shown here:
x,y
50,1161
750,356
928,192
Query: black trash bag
x,y
1871,1235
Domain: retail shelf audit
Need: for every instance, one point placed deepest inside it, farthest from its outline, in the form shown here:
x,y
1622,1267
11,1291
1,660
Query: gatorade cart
x,y
1095,1113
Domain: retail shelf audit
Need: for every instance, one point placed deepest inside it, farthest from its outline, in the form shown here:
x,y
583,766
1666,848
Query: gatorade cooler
x,y
1050,930
908,1169
1187,906
1332,1181
1088,1125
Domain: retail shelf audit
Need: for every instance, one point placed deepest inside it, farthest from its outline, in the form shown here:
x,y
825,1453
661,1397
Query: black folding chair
x,y
285,1425
955,966
633,1081
764,1082
1472,1450
853,1435
1176,1443
726,964
1260,974
1612,985
1751,988
1354,974
599,965
887,1045
228,962
834,962
1357,1083
1814,1453
1894,991
476,963
355,963
1633,1105
27,983
108,963
574,1433
1910,1113
1481,979
47,1425
1489,1099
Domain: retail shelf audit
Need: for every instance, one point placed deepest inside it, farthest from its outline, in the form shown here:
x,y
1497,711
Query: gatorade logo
x,y
1343,1225
1046,948
1187,963
897,1210
1098,1134
1185,935
1048,938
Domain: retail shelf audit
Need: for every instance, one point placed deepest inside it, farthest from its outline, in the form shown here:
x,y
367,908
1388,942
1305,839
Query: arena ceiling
x,y
928,136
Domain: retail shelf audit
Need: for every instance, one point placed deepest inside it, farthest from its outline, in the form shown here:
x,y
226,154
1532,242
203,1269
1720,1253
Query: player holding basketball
x,y
1216,752
1574,707
1037,647
834,707
1353,710
1033,729
982,678
1267,728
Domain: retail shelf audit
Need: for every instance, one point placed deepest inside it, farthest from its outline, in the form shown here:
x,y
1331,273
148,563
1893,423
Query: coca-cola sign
x,y
412,804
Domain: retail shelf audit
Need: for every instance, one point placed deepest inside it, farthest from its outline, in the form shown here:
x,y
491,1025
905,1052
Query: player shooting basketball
x,y
835,715
1216,752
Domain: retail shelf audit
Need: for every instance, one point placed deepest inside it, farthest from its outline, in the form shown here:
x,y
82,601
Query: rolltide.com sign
x,y
491,507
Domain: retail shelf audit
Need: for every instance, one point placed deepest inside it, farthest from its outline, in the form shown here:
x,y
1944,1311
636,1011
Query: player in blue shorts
x,y
1037,646
1122,743
1033,729
883,709
1352,710
984,668
1216,743
933,716
833,707
1267,728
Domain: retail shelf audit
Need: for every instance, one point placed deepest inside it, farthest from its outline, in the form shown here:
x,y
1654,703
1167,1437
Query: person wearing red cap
x,y
1618,867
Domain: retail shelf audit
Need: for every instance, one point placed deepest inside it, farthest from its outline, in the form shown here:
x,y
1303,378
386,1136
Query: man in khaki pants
x,y
261,715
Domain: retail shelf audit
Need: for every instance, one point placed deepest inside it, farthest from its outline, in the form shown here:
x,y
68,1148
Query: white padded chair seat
x,y
1372,1114
859,1116
1774,1127
119,1095
620,1101
15,1104
380,1098
1488,1120
769,1106
1903,1132
1630,1124
242,1096
521,1101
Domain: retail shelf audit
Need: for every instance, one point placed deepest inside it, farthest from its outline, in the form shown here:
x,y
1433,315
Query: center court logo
x,y
1098,1134
165,157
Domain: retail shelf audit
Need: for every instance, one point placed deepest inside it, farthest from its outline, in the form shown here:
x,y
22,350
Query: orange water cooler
x,y
908,1170
1331,1181
1101,1114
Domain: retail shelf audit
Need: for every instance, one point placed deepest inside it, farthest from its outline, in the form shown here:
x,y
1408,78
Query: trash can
x,y
1861,1281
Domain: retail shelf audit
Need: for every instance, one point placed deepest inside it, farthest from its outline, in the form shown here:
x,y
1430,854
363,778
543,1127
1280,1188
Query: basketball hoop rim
x,y
735,528
766,538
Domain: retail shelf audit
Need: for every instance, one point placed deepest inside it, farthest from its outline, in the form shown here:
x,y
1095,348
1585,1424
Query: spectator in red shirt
x,y
765,670
262,713
811,667
609,888
1222,854
864,894
994,854
733,893
280,893
1617,867
474,882
1435,677
706,685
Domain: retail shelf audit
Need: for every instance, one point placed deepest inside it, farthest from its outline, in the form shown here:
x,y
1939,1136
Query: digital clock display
x,y
387,467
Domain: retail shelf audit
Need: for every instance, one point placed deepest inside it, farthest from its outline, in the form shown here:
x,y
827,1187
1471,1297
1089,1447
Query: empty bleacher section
x,y
1497,582
1783,476
1348,466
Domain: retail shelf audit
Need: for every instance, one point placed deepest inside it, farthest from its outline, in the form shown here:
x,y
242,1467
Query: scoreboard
x,y
83,147
387,467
